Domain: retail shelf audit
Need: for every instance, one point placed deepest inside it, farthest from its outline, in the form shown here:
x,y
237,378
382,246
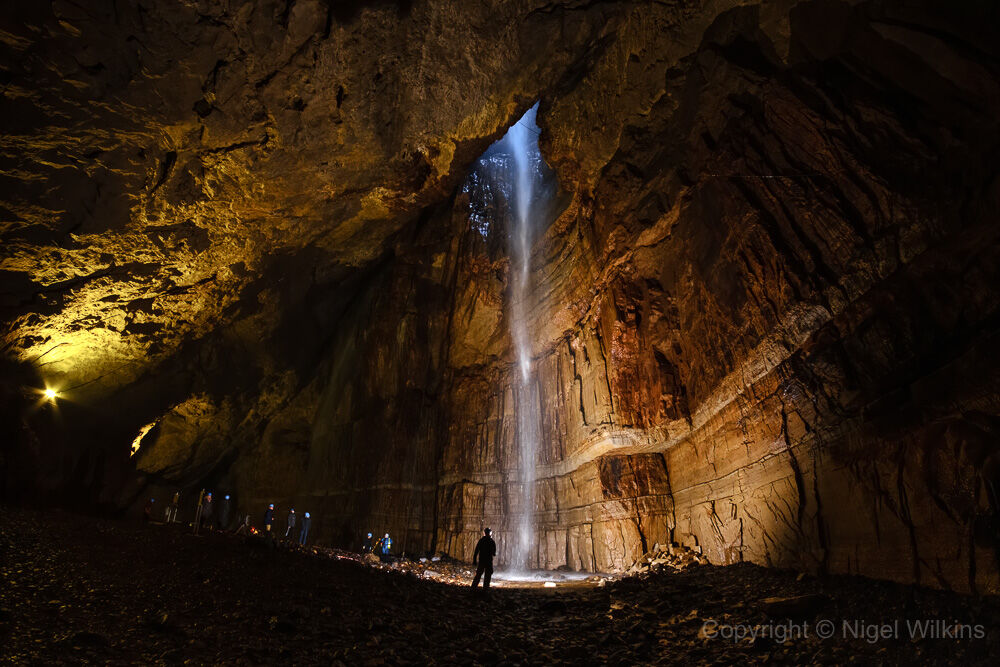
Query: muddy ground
x,y
80,589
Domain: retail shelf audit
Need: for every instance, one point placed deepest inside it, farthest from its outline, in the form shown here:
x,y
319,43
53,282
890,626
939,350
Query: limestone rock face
x,y
768,298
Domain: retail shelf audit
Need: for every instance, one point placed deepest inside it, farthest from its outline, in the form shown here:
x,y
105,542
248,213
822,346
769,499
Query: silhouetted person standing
x,y
385,549
304,533
224,514
269,517
208,512
290,524
366,546
486,549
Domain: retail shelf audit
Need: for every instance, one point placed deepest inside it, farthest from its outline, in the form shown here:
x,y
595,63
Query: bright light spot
x,y
550,584
51,394
142,434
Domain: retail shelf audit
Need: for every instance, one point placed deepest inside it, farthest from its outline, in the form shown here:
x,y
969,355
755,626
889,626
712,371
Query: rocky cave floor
x,y
81,589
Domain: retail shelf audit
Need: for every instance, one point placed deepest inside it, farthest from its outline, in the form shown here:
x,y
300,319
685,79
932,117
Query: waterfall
x,y
522,139
511,189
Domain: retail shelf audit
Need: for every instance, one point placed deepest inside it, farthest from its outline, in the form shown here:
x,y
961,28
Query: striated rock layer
x,y
770,281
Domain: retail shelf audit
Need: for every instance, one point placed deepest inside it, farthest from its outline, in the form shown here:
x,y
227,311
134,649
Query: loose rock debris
x,y
80,589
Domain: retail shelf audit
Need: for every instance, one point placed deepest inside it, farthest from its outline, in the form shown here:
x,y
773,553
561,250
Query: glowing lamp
x,y
51,394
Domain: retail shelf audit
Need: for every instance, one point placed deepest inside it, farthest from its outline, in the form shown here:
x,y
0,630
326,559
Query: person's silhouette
x,y
486,549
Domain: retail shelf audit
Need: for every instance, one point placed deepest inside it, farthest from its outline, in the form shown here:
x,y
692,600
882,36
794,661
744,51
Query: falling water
x,y
523,144
511,183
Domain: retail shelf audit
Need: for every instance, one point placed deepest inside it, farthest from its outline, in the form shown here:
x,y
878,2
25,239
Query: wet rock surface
x,y
79,589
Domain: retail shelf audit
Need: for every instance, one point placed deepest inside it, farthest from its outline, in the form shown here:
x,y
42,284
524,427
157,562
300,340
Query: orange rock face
x,y
769,285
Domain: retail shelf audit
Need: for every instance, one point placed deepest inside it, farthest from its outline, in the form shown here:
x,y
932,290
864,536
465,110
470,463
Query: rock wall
x,y
768,301
762,317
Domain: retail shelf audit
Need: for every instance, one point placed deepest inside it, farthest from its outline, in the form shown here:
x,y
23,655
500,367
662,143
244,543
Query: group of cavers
x,y
291,521
381,547
204,518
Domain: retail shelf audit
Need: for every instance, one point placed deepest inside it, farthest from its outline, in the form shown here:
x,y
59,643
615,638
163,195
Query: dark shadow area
x,y
345,11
